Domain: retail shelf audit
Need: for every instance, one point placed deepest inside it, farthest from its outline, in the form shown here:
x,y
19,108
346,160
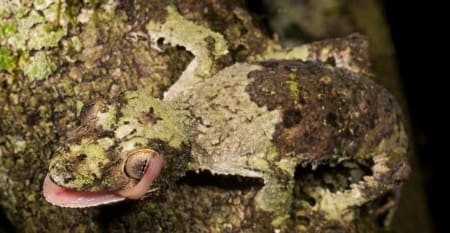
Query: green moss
x,y
18,144
4,12
7,60
42,4
26,23
76,43
259,163
79,105
38,67
6,30
33,29
45,35
287,165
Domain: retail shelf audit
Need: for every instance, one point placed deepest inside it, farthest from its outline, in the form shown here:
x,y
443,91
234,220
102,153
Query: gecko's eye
x,y
137,162
143,165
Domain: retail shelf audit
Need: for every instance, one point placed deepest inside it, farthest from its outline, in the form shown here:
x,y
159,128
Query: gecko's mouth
x,y
65,197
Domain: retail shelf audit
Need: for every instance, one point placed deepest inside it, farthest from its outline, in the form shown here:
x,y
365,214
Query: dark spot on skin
x,y
126,122
94,176
100,133
81,157
138,144
160,42
341,112
210,42
68,179
291,117
151,117
119,113
133,131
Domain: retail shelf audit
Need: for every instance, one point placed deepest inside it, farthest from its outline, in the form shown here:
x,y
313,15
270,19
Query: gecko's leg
x,y
388,172
206,46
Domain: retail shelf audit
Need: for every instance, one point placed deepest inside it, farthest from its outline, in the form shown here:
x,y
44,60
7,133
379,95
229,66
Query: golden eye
x,y
137,162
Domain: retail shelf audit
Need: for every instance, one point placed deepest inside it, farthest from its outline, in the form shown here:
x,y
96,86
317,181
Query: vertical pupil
x,y
143,167
138,162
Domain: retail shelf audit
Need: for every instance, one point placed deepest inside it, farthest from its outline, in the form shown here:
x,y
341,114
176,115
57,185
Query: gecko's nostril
x,y
137,162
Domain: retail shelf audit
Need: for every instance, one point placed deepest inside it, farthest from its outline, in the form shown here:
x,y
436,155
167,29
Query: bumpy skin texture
x,y
183,207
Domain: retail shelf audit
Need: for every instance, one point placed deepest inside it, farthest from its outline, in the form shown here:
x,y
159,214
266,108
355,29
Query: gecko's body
x,y
256,119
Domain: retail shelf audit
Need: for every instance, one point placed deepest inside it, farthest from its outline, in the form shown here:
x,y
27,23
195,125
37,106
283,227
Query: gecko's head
x,y
117,152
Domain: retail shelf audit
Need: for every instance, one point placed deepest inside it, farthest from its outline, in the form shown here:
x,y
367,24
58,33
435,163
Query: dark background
x,y
420,39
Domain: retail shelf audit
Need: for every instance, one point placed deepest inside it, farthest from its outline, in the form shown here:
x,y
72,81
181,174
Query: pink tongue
x,y
64,197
